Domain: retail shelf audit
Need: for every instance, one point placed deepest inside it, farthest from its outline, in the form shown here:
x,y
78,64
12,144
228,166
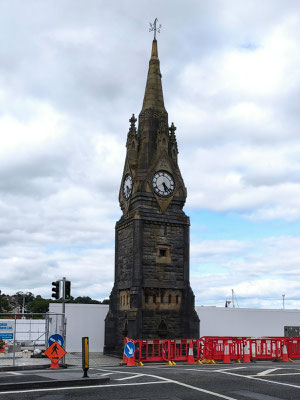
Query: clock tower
x,y
151,297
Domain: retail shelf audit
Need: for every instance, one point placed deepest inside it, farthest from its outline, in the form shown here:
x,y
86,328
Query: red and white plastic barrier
x,y
223,349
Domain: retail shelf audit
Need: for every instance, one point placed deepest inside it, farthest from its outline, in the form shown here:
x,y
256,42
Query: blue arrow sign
x,y
56,338
129,349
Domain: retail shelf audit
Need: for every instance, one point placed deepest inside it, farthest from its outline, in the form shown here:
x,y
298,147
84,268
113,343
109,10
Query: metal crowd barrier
x,y
209,348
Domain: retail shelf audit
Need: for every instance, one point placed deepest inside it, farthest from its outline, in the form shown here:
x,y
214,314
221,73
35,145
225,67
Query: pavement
x,y
23,361
260,381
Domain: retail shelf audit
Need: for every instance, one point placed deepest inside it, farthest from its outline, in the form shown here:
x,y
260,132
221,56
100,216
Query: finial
x,y
132,121
172,129
154,28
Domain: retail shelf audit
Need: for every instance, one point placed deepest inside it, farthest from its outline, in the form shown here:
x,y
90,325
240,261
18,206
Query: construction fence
x,y
214,349
26,335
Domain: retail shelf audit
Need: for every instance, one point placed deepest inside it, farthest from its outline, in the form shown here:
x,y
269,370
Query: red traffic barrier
x,y
190,357
224,349
246,356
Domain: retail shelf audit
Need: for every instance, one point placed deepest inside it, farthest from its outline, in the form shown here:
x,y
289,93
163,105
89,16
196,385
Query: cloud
x,y
71,76
259,271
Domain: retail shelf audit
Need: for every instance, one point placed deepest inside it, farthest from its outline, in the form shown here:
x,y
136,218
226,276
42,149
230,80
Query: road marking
x,y
267,371
117,372
284,374
108,373
84,387
260,379
14,373
194,388
229,369
204,391
129,377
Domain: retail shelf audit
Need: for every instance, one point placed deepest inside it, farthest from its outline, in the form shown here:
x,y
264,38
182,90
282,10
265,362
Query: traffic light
x,y
55,290
67,290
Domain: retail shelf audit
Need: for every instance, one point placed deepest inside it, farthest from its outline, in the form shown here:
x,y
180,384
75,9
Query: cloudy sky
x,y
71,75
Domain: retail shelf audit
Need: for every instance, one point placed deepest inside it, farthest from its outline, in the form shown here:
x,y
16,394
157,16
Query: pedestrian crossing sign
x,y
55,352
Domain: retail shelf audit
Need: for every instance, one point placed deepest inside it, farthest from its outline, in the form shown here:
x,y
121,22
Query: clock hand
x,y
165,187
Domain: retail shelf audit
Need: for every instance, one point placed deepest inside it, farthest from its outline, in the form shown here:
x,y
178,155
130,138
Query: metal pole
x,y
64,316
283,296
14,345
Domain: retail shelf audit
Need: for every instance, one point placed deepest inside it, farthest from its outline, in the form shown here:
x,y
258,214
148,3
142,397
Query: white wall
x,y
221,321
83,320
88,320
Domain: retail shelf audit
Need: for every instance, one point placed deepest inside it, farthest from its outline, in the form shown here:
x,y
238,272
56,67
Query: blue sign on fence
x,y
129,349
6,330
6,336
56,338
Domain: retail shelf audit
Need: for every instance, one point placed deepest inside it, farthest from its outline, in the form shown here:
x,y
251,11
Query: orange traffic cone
x,y
226,356
246,355
54,365
131,361
190,357
285,356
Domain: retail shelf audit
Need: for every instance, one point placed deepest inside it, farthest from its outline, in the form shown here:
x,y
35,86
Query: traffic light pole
x,y
64,316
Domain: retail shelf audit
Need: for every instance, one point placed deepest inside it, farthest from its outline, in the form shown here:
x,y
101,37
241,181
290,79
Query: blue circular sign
x,y
56,338
129,349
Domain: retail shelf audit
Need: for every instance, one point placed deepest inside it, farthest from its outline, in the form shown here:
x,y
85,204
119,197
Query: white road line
x,y
117,372
229,369
191,387
83,387
221,396
260,379
108,373
14,373
267,371
129,377
284,374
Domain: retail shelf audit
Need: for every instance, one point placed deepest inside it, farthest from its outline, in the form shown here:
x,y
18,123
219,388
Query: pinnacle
x,y
153,93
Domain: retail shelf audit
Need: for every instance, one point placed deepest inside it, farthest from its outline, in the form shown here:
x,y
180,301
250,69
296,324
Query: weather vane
x,y
154,28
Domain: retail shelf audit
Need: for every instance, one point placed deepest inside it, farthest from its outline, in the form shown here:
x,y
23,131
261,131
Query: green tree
x,y
38,305
5,305
86,300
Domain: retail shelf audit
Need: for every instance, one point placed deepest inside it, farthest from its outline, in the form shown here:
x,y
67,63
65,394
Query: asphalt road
x,y
259,381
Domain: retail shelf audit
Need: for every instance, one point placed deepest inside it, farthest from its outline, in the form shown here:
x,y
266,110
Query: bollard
x,y
85,356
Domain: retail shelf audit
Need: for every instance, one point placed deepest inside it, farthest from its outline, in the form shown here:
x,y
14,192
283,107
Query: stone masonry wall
x,y
125,254
155,235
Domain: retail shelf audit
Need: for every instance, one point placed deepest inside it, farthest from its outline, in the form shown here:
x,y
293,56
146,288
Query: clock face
x,y
127,186
163,183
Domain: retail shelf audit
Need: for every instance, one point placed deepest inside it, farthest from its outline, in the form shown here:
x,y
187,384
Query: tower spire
x,y
153,97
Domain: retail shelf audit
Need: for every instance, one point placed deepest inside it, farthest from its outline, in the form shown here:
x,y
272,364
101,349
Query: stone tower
x,y
151,297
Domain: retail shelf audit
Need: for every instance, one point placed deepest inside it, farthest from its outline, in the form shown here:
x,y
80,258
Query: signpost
x,y
129,349
6,330
56,338
55,352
